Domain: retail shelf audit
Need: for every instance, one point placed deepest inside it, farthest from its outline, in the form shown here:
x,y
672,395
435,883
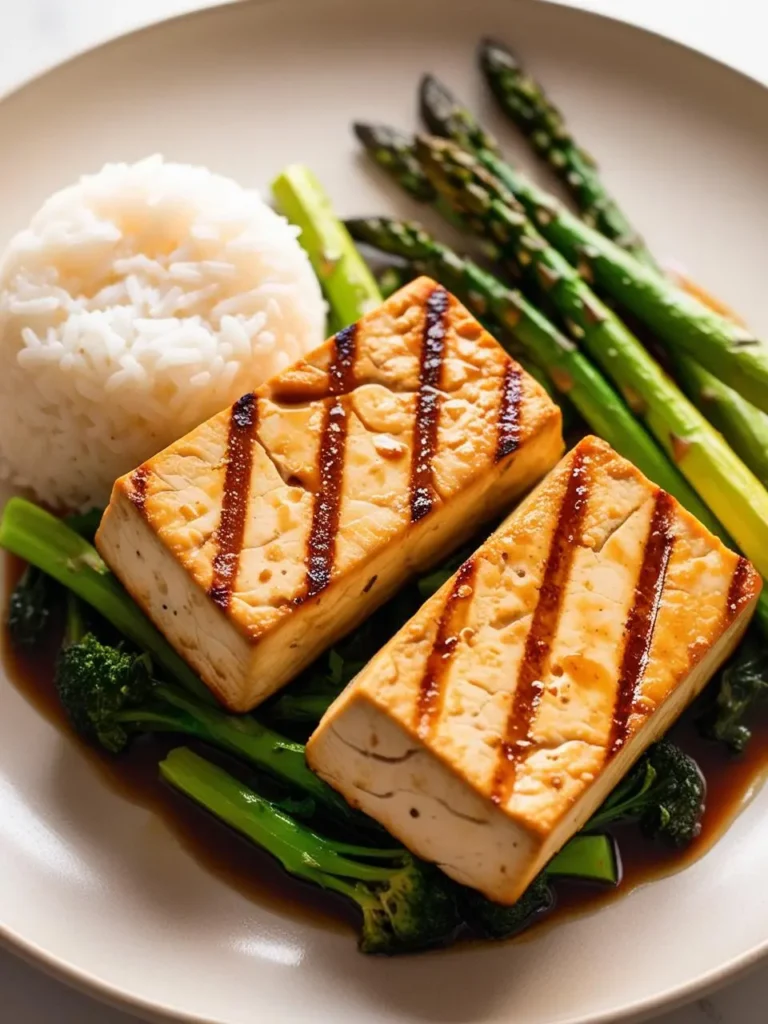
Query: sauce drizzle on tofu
x,y
428,403
452,621
509,412
566,536
641,620
321,545
234,501
138,494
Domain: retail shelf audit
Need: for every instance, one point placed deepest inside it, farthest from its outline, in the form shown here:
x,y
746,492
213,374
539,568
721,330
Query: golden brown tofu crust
x,y
269,504
485,673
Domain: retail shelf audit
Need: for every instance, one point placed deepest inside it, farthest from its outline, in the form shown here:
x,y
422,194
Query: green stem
x,y
591,858
348,284
301,851
41,539
730,490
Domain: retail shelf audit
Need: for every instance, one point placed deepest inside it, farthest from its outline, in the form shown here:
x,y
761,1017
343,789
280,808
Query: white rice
x,y
137,303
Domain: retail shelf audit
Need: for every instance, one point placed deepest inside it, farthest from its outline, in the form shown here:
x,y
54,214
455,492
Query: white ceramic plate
x,y
97,889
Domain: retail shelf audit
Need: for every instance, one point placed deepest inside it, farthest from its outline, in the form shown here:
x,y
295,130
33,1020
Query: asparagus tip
x,y
436,102
374,135
495,55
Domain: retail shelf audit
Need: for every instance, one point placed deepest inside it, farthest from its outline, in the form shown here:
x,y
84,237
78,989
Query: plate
x,y
95,888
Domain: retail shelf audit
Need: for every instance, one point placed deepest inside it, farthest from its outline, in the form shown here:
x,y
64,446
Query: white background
x,y
34,34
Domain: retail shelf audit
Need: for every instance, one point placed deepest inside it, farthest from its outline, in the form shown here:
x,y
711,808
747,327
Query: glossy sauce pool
x,y
134,777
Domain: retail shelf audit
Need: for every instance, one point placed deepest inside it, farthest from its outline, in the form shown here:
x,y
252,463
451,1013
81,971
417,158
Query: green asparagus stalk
x,y
349,285
723,347
730,490
744,427
524,101
570,371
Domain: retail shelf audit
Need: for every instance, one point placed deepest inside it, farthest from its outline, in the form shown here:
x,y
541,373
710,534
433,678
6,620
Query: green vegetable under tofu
x,y
31,608
111,696
56,549
743,686
405,904
664,793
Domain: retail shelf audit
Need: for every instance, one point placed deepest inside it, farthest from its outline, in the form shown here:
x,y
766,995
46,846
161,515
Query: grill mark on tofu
x,y
428,403
641,620
508,429
321,546
234,500
450,625
138,491
738,591
566,537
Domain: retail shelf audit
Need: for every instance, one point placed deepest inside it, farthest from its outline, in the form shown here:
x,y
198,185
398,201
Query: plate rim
x,y
106,993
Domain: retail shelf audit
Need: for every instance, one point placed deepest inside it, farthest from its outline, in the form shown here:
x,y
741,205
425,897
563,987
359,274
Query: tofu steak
x,y
491,727
272,529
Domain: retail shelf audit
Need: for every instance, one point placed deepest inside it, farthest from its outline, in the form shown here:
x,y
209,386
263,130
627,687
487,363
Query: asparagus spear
x,y
348,284
732,492
524,101
727,349
744,427
570,371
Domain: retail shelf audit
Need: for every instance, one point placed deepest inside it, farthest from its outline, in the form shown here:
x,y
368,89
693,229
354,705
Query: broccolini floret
x,y
405,904
664,793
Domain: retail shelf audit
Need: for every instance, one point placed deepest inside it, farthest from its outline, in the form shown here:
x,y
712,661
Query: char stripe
x,y
138,494
508,429
516,743
451,622
428,403
641,620
737,592
321,547
234,501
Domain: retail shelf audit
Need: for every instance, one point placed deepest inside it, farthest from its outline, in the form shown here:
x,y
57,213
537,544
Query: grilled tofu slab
x,y
268,532
490,728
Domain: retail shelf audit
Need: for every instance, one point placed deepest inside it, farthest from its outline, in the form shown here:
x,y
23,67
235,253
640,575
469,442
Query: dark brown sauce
x,y
138,495
641,620
738,592
508,429
134,778
565,537
234,499
321,547
428,403
452,621
731,782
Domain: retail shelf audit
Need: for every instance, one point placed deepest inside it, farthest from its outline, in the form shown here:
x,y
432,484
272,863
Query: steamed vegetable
x,y
59,551
730,490
743,687
525,101
664,793
405,904
349,285
111,696
570,371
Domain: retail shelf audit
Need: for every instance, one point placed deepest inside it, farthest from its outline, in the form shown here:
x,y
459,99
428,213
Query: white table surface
x,y
35,34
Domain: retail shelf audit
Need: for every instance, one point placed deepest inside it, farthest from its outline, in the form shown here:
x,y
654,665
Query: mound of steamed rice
x,y
137,303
